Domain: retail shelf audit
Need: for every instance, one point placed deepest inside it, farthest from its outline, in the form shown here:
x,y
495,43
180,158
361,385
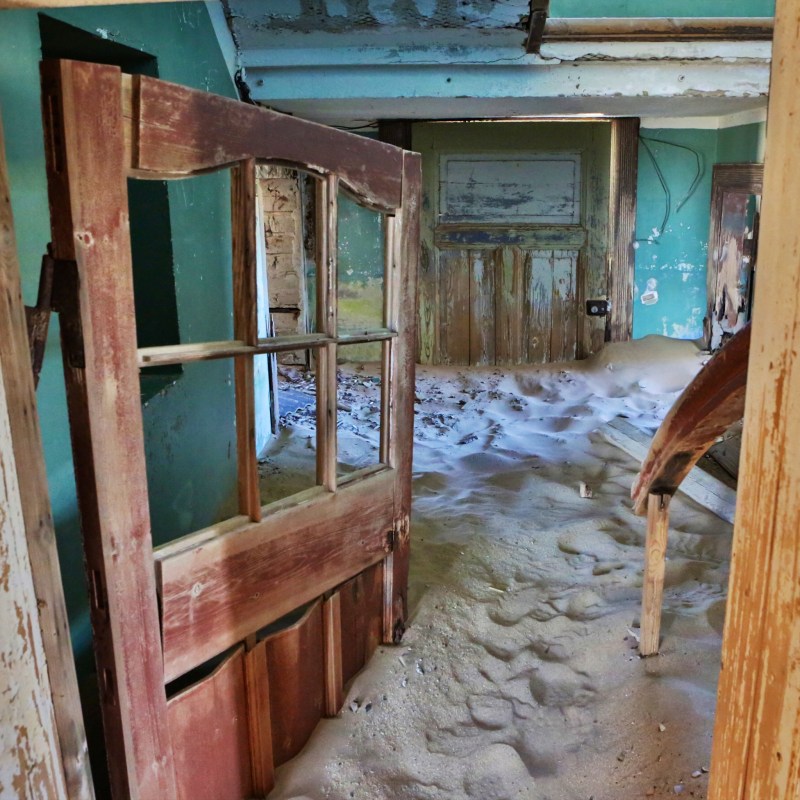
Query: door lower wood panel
x,y
508,305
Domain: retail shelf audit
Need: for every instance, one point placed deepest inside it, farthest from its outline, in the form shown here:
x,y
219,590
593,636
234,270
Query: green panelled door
x,y
514,240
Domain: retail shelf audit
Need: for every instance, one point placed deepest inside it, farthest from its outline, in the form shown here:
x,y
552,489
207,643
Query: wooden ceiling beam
x,y
642,29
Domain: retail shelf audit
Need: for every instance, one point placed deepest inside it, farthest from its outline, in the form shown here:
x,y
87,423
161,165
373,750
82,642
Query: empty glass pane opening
x,y
191,450
359,401
288,458
361,257
287,251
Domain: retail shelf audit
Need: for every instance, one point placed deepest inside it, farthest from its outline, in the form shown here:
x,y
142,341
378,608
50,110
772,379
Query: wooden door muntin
x,y
151,625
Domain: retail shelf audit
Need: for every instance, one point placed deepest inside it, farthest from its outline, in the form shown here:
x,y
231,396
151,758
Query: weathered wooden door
x,y
196,611
732,250
515,241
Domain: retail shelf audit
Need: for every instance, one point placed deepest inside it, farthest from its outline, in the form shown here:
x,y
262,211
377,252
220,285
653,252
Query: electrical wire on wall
x,y
665,185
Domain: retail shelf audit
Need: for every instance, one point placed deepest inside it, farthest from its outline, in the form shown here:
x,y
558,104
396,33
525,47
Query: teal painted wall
x,y
191,421
676,8
742,143
670,273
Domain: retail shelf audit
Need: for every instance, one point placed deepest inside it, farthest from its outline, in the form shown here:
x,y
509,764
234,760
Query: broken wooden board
x,y
705,489
707,407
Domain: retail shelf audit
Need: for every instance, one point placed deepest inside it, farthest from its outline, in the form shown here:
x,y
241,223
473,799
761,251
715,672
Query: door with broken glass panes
x,y
219,651
515,241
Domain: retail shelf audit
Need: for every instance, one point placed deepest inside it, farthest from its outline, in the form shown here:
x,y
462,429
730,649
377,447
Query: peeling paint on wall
x,y
672,224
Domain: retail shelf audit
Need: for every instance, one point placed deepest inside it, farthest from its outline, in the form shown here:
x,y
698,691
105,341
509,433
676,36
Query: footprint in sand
x,y
599,546
522,604
498,773
556,684
490,713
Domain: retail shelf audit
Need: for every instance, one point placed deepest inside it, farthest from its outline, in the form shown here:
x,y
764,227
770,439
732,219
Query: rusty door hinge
x,y
58,291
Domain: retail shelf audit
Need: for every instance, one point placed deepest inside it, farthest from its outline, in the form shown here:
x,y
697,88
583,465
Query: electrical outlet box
x,y
597,308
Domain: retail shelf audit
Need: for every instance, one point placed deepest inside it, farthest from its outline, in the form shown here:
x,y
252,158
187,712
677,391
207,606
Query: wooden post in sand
x,y
654,564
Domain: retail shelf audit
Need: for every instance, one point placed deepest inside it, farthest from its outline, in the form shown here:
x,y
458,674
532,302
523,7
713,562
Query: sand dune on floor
x,y
519,677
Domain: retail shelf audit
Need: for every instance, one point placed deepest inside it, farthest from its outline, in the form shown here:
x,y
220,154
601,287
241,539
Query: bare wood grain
x,y
655,552
37,516
88,201
756,751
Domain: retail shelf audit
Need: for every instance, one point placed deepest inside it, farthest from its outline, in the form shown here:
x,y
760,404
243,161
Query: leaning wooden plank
x,y
88,203
207,351
296,683
30,755
245,328
709,405
403,370
231,586
655,554
180,131
700,486
208,723
37,517
756,753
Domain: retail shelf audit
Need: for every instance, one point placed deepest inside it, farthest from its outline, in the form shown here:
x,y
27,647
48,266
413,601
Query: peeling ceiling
x,y
346,16
349,62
